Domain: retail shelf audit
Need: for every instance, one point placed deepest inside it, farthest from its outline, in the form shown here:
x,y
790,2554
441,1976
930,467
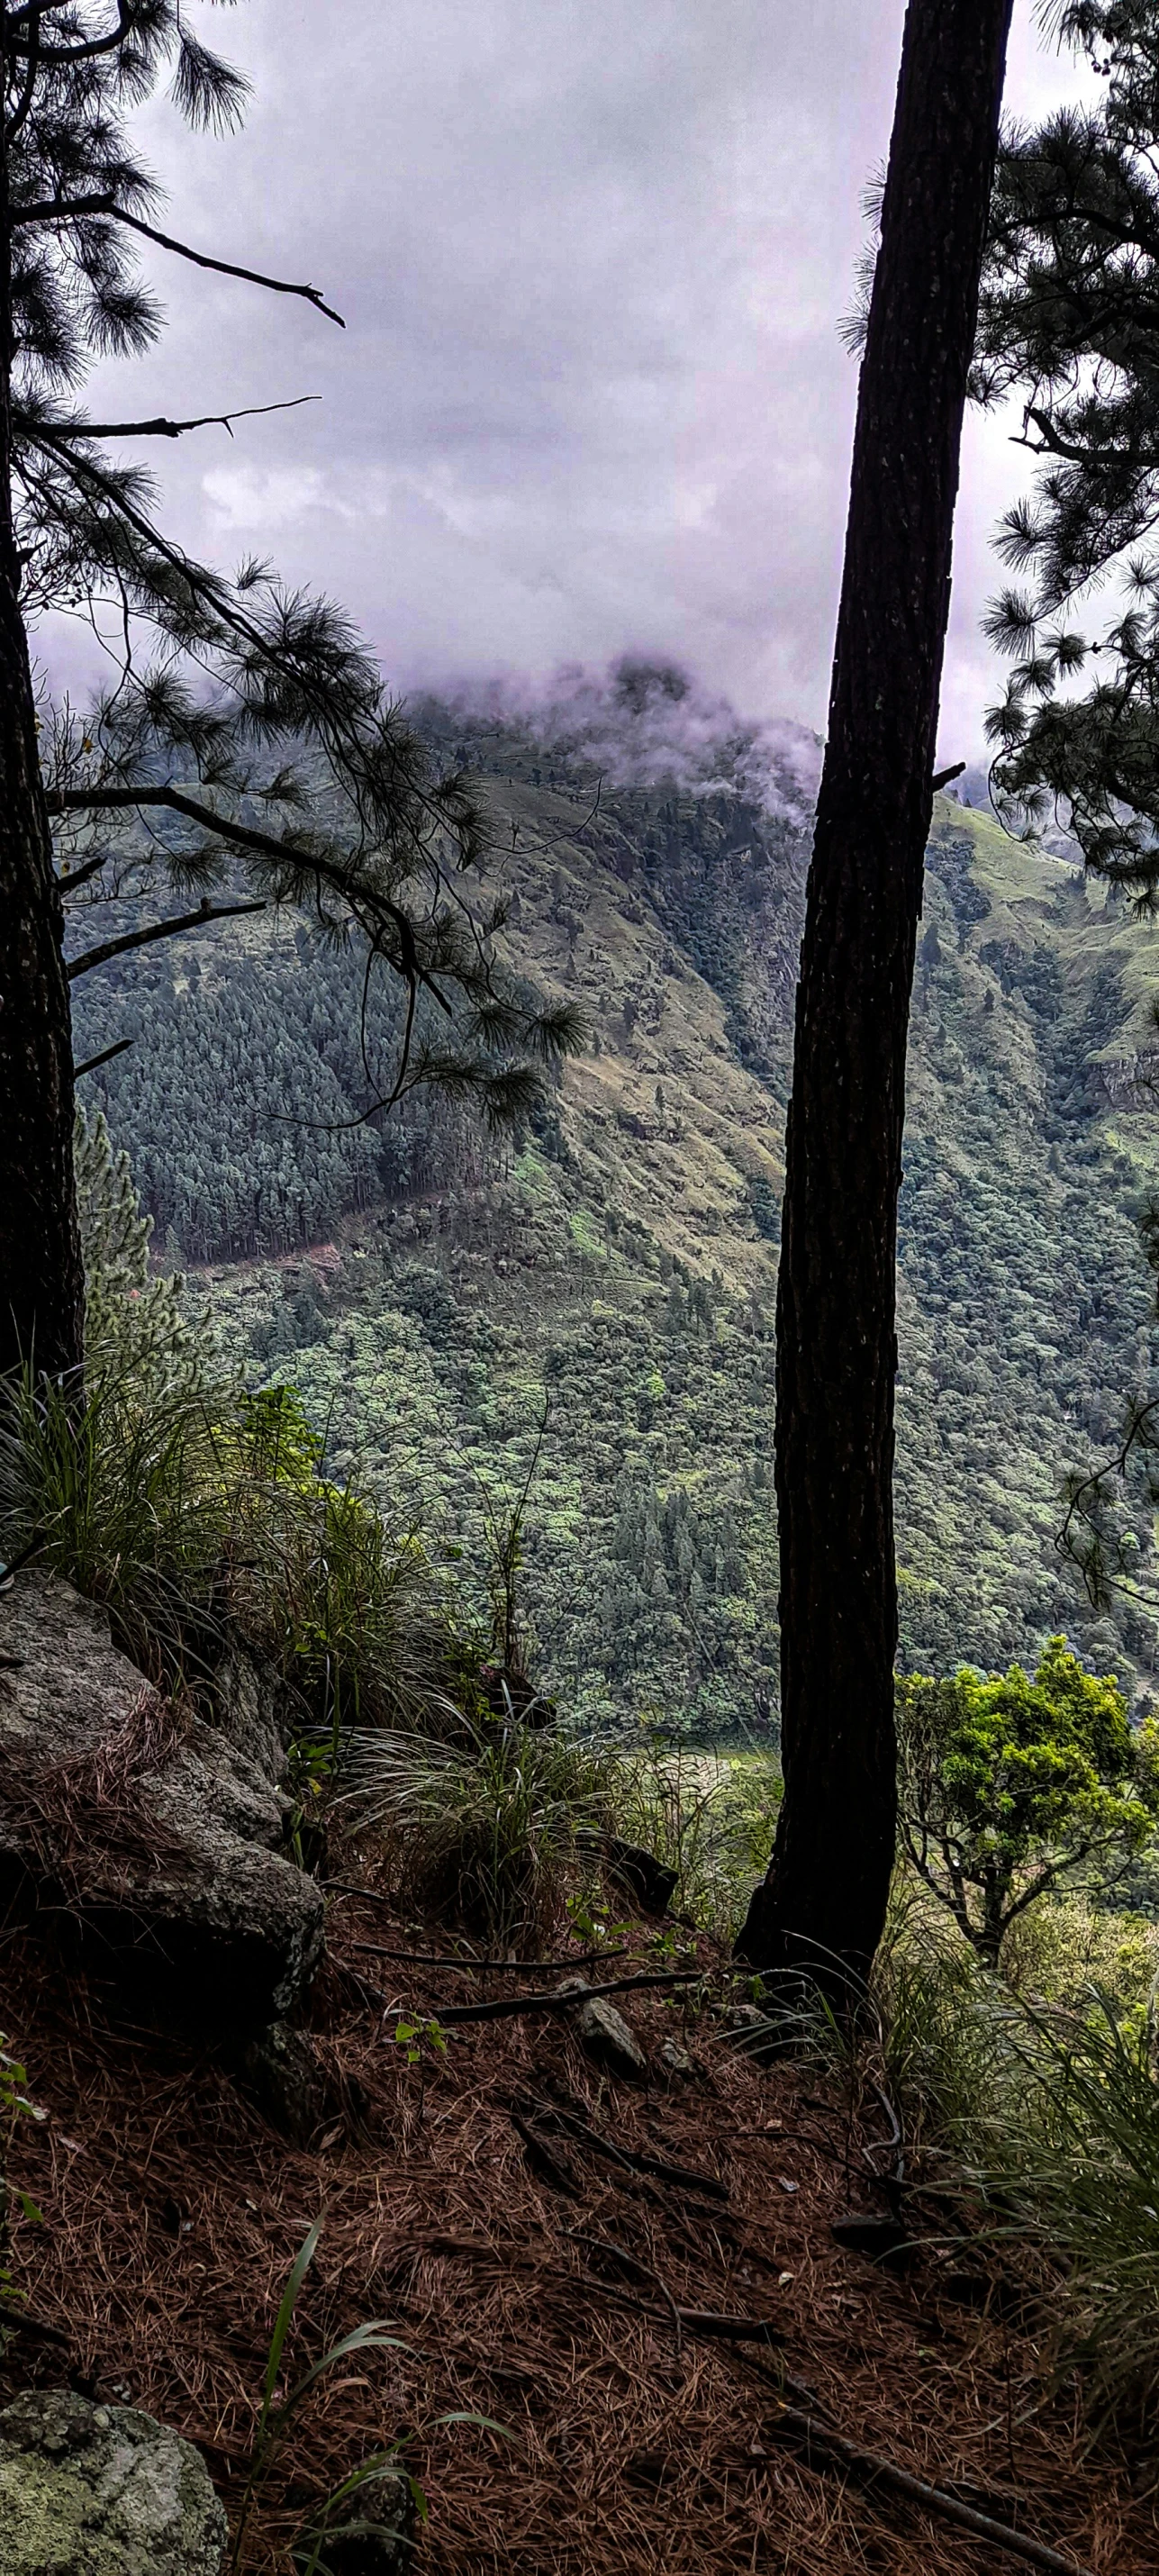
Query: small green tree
x,y
1010,1786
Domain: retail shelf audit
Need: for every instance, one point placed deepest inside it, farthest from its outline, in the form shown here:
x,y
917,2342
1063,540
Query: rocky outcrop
x,y
102,2491
157,1831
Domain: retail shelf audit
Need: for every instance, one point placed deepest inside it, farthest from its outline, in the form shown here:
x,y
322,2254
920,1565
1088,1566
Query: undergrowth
x,y
1036,2103
490,1826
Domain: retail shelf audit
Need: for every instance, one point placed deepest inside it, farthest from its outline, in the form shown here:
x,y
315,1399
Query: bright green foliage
x,y
1009,1785
618,1258
192,1506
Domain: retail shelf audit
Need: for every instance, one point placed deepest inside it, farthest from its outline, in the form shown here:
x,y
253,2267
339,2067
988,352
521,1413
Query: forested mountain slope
x,y
426,1289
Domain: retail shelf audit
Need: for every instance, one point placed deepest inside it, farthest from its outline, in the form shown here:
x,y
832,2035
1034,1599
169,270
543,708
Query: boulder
x,y
89,2490
258,1712
157,1831
647,1880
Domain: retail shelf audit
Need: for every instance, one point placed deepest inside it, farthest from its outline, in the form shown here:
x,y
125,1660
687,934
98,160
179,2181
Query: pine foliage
x,y
247,743
1069,320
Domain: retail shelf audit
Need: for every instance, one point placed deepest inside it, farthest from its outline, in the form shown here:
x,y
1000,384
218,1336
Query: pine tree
x,y
1070,319
247,726
823,1904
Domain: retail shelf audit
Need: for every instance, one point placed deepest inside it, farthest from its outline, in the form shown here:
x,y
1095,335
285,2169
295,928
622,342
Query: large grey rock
x,y
158,1830
259,1712
102,2491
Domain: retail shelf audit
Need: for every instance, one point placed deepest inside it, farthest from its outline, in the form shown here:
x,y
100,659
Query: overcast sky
x,y
590,396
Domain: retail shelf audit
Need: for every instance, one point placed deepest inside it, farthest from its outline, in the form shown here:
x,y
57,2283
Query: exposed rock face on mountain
x,y
102,2491
157,1832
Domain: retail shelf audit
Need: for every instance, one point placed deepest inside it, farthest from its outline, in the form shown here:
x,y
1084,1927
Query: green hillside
x,y
426,1290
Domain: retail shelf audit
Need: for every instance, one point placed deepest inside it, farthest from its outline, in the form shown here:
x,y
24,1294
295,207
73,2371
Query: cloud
x,y
590,398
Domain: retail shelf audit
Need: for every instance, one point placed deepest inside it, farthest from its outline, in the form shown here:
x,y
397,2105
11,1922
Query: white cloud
x,y
590,396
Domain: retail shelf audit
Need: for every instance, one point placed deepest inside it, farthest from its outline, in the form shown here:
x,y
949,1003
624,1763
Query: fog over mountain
x,y
591,397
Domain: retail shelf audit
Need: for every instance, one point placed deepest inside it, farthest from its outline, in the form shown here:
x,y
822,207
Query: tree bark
x,y
41,1279
822,1907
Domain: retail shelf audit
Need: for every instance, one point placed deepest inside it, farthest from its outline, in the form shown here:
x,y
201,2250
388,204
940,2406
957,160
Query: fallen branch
x,y
637,2271
17,2321
683,2175
513,1967
542,2161
834,2450
564,2003
702,2321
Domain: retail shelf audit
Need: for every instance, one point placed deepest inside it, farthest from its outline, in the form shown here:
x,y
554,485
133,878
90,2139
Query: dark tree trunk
x,y
823,1903
41,1282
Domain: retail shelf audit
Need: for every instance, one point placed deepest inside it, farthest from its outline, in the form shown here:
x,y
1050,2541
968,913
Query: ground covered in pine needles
x,y
475,2200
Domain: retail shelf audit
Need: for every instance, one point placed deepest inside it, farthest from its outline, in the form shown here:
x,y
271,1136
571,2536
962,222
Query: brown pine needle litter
x,y
634,2445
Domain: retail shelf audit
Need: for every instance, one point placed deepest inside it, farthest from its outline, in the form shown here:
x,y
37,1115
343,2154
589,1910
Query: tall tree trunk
x,y
822,1905
41,1281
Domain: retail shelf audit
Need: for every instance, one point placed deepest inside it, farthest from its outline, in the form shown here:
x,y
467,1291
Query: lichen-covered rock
x,y
157,1830
102,2491
280,2072
255,1709
375,2536
603,2032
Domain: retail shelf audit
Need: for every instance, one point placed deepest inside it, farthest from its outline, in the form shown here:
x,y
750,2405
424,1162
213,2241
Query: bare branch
x,y
84,964
105,1057
162,428
63,210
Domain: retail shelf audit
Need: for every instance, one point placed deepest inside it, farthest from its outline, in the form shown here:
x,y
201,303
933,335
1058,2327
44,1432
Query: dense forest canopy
x,y
424,1284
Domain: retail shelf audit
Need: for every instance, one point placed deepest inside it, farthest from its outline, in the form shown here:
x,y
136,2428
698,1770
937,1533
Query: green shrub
x,y
1010,1786
1042,2111
488,1828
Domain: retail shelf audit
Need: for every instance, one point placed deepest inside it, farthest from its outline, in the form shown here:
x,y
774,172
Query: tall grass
x,y
488,1827
1041,2110
197,1511
709,1818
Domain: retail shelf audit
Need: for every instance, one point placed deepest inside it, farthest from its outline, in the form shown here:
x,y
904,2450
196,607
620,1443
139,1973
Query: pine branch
x,y
244,836
90,957
162,428
68,210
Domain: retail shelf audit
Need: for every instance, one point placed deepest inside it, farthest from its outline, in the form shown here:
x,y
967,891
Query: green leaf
x,y
283,2320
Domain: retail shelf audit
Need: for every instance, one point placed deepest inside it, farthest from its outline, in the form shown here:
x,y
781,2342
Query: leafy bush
x,y
193,1508
1010,1785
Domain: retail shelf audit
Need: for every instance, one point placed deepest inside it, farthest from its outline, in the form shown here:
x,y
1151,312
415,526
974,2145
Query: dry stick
x,y
684,2175
706,2321
537,2149
564,2003
641,2271
834,2450
522,1967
